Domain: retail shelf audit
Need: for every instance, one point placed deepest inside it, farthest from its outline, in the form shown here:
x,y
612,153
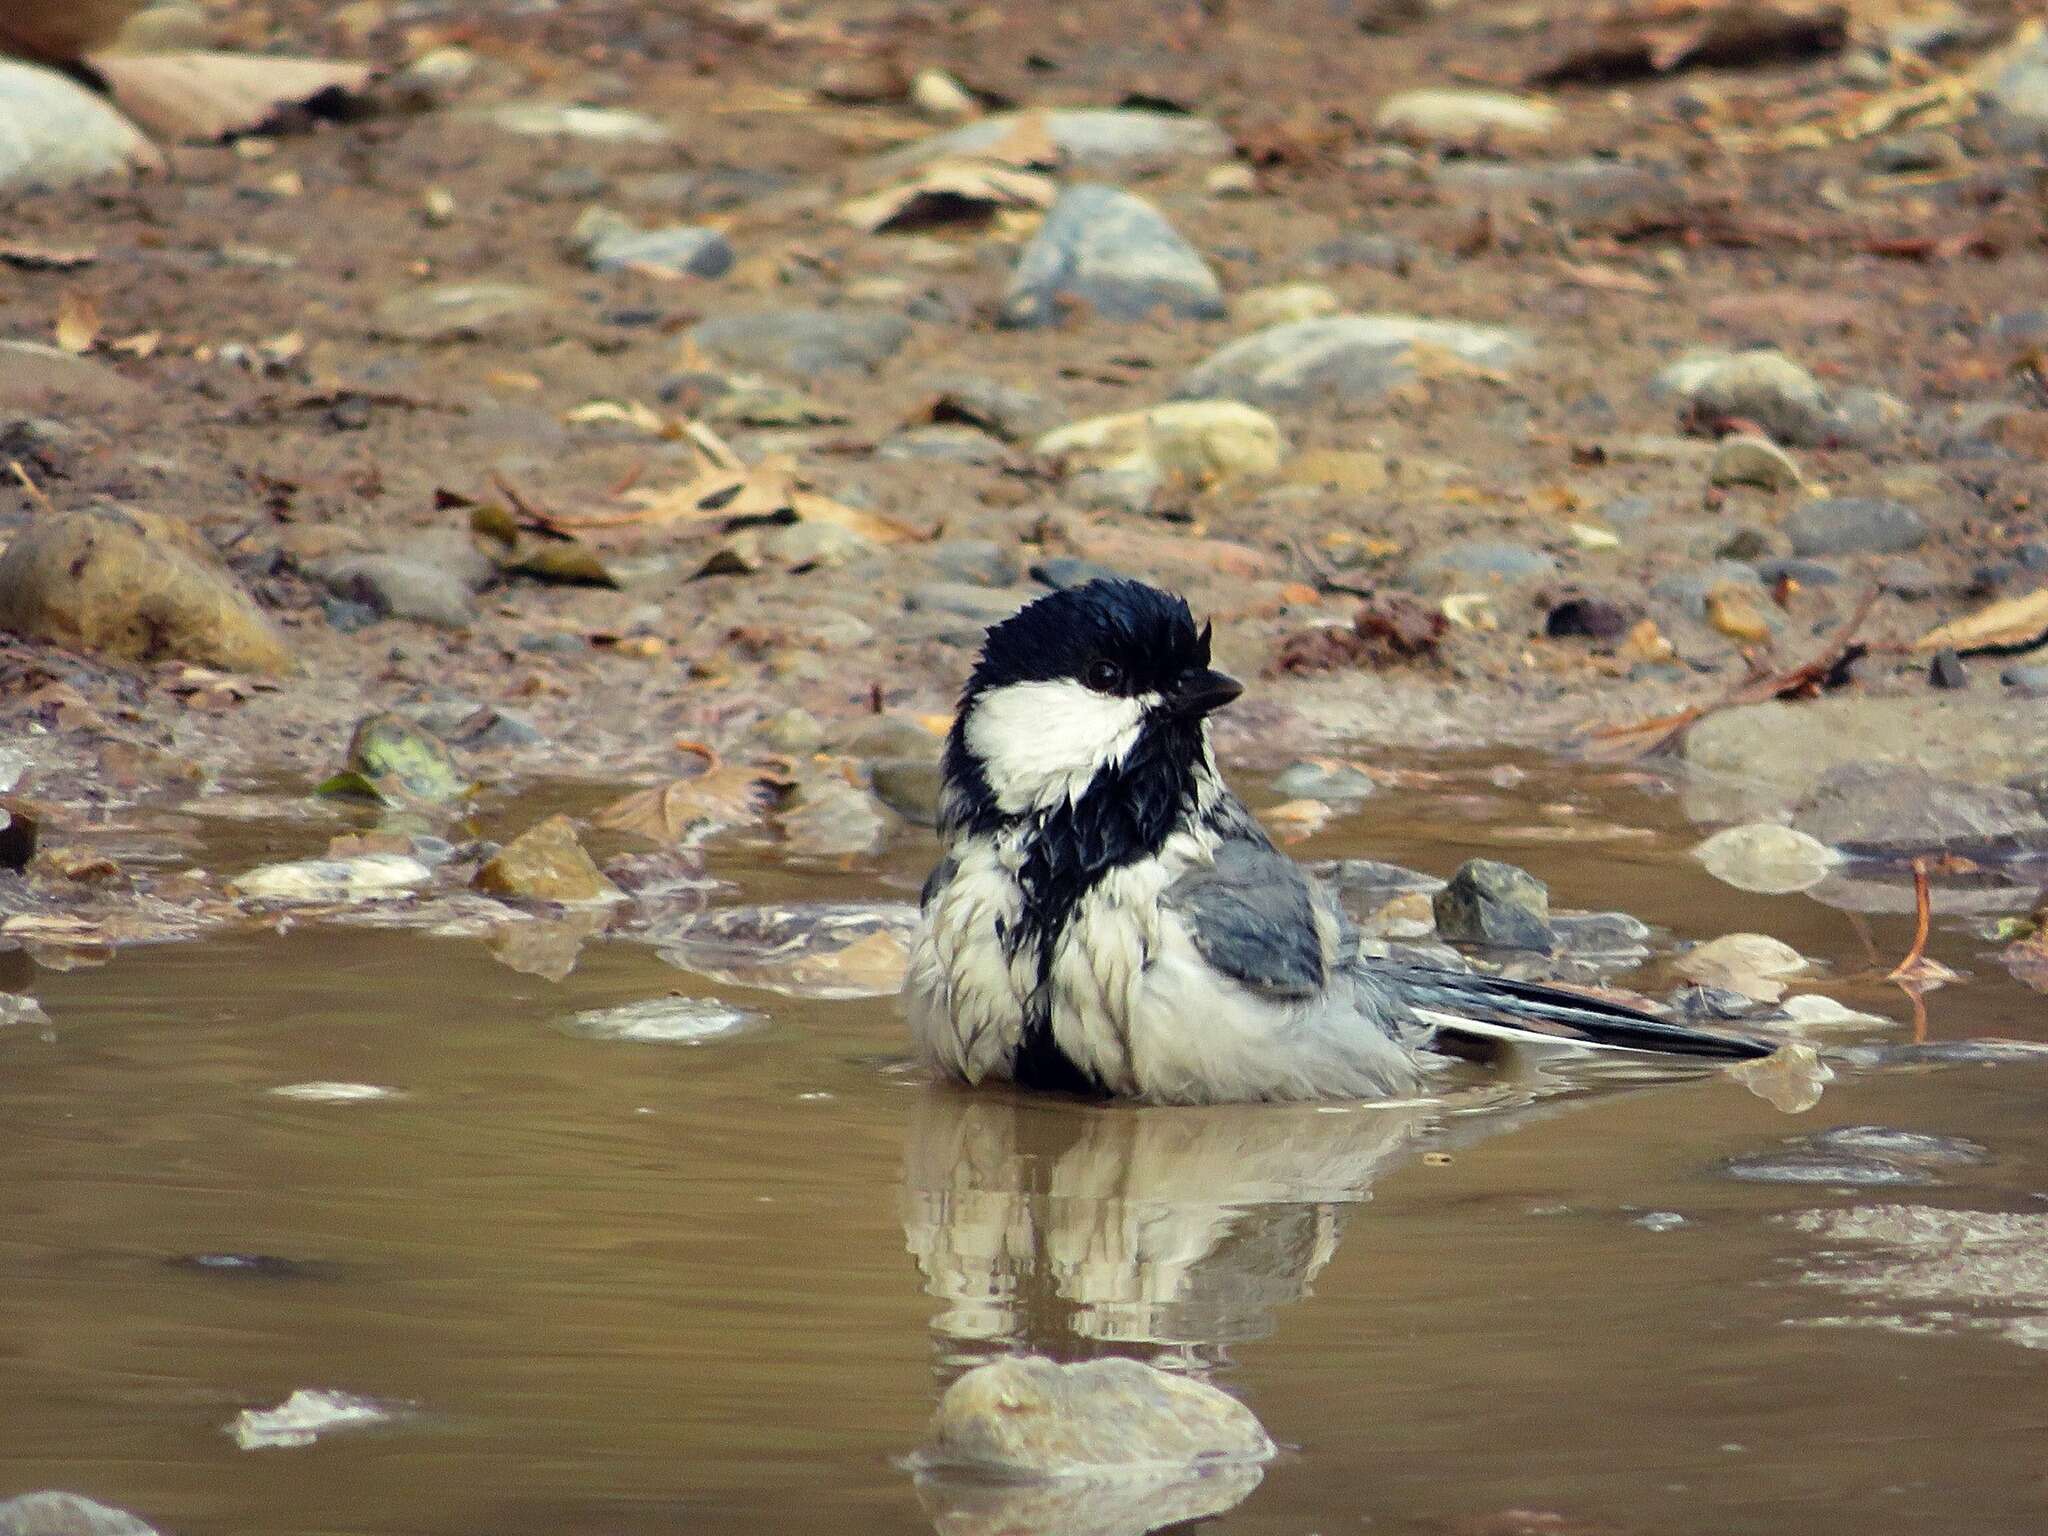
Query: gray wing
x,y
1255,919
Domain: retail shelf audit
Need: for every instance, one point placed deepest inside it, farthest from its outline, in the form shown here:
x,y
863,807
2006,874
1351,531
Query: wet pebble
x,y
1753,964
1325,779
1114,254
56,1513
1810,1166
1765,858
547,862
367,877
1916,1147
1027,1417
665,1021
1491,903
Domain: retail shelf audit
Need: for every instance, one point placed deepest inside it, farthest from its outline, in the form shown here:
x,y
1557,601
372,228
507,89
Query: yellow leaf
x,y
2013,623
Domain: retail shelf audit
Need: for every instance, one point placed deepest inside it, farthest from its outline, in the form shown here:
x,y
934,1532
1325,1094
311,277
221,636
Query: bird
x,y
1108,920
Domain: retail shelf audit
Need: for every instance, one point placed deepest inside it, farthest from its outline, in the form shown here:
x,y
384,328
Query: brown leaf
x,y
78,322
205,97
2008,625
949,192
688,809
33,256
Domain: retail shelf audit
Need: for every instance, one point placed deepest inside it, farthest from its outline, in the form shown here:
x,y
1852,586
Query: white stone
x,y
1766,858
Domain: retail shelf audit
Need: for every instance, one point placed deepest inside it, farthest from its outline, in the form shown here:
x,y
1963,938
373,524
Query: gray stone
x,y
1325,780
395,587
459,311
1891,809
985,605
56,133
1091,141
1608,937
1026,1417
1487,902
1855,525
1373,253
680,250
35,377
1354,359
909,786
1484,560
1592,196
1867,418
1764,387
67,1514
1747,460
982,561
2032,679
804,341
1114,253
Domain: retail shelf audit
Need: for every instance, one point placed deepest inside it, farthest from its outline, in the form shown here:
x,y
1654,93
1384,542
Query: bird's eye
x,y
1103,676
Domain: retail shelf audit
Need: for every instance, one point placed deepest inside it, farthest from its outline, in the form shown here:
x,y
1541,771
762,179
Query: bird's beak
x,y
1201,693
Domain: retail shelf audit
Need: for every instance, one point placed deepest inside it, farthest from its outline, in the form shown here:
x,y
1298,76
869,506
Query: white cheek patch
x,y
1040,743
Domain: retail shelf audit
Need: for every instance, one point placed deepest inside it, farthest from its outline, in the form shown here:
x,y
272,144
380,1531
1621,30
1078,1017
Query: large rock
x,y
134,586
1762,757
1458,118
54,132
1093,141
1353,359
1896,809
804,341
1113,253
1026,1417
1855,525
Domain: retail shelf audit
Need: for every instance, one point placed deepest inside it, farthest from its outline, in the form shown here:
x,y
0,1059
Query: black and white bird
x,y
1109,919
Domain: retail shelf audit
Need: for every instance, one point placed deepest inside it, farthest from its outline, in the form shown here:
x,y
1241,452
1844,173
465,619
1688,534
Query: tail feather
x,y
1494,1009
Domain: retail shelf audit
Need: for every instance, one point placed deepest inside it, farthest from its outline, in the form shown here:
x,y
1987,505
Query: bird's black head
x,y
1094,680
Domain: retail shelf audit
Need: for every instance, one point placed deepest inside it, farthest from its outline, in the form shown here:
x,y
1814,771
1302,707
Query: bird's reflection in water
x,y
1166,1233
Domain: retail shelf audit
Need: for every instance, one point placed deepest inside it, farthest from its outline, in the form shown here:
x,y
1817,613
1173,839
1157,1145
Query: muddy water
x,y
632,1287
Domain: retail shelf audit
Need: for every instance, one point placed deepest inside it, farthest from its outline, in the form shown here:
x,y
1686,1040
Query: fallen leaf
x,y
78,322
949,192
1731,611
628,413
2009,625
688,809
206,97
31,256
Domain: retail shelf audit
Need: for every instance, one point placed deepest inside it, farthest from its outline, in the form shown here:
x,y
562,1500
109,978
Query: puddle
x,y
552,1232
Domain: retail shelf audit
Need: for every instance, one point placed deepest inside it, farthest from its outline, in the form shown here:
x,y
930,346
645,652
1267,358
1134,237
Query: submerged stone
x,y
664,1021
1765,858
1028,1417
55,1513
547,862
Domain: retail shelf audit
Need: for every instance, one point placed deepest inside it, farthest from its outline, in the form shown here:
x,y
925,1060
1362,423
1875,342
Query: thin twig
x,y
1923,913
35,492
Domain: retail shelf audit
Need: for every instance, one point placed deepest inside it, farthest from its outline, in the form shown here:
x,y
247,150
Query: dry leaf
x,y
950,192
31,256
688,809
141,344
2011,624
873,966
1731,612
628,413
78,322
205,97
